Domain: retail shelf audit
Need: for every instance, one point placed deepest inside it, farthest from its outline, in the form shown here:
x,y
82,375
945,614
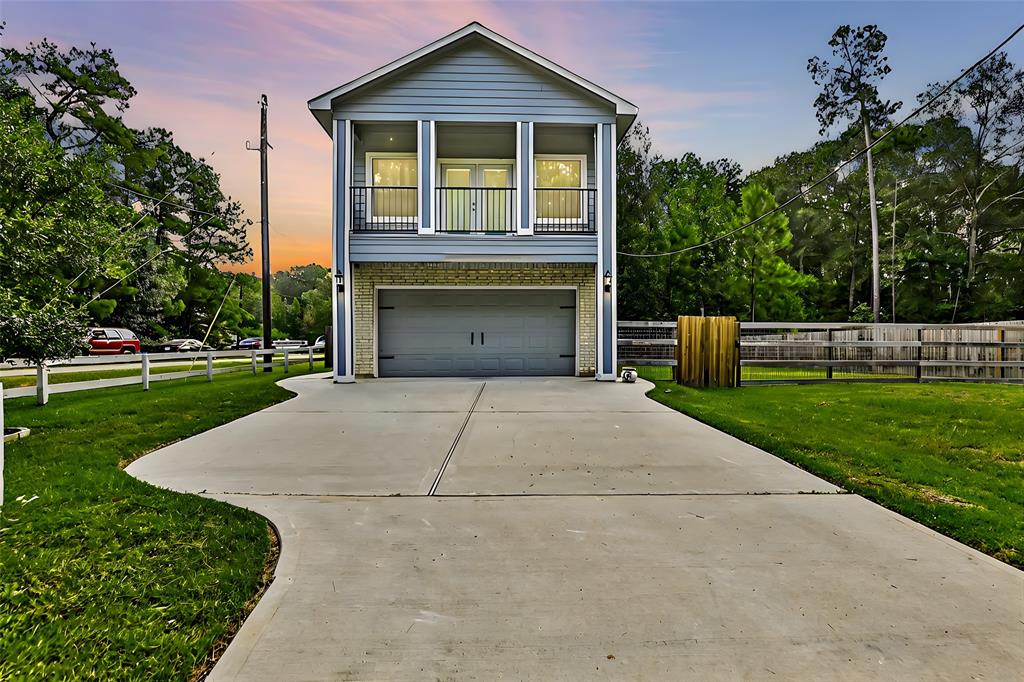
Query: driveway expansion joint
x,y
458,435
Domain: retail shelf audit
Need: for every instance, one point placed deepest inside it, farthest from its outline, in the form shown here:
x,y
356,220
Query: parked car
x,y
290,343
183,346
320,343
112,341
251,343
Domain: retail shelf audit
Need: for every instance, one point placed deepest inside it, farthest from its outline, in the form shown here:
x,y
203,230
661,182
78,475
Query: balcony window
x,y
558,181
393,196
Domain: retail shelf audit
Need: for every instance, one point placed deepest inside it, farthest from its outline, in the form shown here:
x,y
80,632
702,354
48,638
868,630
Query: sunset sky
x,y
722,79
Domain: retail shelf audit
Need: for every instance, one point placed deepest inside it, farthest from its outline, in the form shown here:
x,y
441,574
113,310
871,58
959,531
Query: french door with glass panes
x,y
476,197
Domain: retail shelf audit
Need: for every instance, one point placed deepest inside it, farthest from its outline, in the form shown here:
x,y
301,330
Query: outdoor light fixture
x,y
339,277
608,280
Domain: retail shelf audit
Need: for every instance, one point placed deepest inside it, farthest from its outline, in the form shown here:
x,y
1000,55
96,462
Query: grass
x,y
813,374
102,576
24,380
950,456
660,373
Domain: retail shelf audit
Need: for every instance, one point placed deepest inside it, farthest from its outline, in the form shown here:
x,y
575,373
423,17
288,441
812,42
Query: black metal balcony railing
x,y
384,209
468,210
488,210
565,211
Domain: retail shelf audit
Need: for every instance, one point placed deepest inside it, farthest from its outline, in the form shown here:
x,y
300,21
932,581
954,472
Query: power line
x,y
191,209
148,261
805,190
209,327
131,227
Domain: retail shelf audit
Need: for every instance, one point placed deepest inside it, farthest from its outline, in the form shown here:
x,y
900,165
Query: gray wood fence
x,y
788,352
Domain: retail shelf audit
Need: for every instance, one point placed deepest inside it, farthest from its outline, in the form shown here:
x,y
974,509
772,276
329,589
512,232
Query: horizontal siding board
x,y
438,248
479,106
468,117
474,78
421,95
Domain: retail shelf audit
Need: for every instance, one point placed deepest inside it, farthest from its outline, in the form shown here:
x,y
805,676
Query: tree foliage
x,y
56,223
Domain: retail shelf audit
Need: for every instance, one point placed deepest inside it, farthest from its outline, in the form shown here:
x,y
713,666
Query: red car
x,y
112,341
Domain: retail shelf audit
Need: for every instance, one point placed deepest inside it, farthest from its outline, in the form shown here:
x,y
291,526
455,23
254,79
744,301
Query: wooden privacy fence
x,y
804,352
167,366
706,351
778,352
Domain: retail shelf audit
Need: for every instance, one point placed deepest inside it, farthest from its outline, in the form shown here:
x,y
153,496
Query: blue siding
x,y
411,248
475,78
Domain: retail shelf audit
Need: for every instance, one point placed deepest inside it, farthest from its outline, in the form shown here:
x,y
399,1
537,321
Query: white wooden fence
x,y
207,364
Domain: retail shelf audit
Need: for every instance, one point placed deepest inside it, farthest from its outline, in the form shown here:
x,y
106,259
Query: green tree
x,y
56,224
80,96
977,154
758,274
849,90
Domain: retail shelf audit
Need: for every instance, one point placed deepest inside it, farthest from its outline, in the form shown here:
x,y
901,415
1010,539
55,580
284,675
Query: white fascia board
x,y
622,107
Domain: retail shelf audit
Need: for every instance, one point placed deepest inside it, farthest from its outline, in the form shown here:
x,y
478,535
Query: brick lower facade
x,y
367,276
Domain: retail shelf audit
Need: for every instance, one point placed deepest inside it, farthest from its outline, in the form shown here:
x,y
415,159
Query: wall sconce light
x,y
608,281
339,278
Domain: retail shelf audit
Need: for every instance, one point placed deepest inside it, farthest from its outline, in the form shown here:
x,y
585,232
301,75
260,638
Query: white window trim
x,y
582,158
477,162
370,156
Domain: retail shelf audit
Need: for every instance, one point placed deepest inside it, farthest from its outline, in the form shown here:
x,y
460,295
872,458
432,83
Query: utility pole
x,y
264,229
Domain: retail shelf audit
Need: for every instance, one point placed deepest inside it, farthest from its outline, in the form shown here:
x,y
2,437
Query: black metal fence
x,y
565,211
384,209
488,210
475,209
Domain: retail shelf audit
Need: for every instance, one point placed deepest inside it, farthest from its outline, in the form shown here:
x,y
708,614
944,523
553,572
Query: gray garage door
x,y
476,332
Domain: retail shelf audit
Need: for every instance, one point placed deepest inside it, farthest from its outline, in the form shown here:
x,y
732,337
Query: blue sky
x,y
721,79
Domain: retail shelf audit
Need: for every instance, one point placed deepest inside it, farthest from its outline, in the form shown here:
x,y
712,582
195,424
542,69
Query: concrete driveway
x,y
564,529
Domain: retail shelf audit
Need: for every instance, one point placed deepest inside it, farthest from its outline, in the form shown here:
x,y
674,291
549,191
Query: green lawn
x,y
661,373
950,456
103,577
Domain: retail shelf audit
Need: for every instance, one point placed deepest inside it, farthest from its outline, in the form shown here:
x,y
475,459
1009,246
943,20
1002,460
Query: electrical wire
x,y
131,227
209,327
805,190
148,261
183,207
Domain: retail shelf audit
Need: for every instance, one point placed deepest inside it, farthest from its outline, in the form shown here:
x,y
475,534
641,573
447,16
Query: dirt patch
x,y
933,495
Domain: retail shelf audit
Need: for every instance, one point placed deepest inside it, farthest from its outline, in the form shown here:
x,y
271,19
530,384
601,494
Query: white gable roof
x,y
321,104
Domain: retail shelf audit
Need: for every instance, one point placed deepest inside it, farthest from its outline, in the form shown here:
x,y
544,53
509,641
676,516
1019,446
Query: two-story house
x,y
474,214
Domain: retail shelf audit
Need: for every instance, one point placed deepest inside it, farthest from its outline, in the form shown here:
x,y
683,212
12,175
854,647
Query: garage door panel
x,y
429,332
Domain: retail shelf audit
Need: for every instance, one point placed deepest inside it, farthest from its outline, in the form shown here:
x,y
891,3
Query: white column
x,y
145,371
209,365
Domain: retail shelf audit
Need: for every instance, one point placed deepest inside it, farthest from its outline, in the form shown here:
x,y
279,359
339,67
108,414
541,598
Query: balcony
x,y
565,211
384,209
474,210
479,210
